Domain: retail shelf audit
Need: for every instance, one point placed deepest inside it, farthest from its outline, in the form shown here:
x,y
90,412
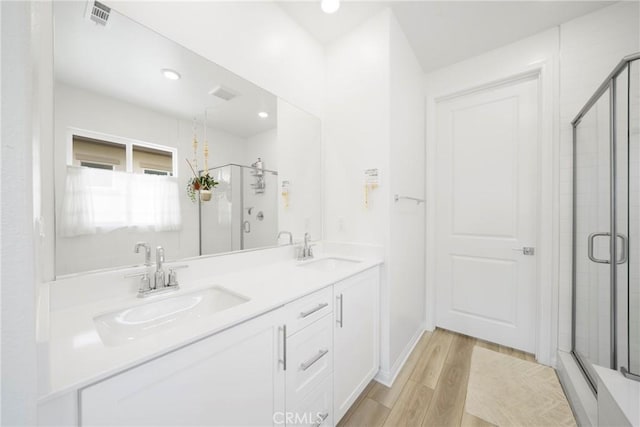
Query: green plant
x,y
201,182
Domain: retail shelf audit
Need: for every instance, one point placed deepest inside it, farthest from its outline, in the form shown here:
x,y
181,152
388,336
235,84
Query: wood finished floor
x,y
431,388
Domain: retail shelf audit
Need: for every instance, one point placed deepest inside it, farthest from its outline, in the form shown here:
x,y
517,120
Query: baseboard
x,y
581,398
388,377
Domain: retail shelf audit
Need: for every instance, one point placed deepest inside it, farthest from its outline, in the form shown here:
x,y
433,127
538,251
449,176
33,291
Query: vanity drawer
x,y
315,409
309,358
299,314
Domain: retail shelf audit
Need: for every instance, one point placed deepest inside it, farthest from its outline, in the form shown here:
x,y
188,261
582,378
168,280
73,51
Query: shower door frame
x,y
610,85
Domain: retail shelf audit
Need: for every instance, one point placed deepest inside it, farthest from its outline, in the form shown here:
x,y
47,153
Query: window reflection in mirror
x,y
107,155
114,183
151,161
94,153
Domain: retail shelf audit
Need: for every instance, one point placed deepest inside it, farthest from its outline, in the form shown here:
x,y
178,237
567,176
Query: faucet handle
x,y
173,275
145,281
173,278
310,250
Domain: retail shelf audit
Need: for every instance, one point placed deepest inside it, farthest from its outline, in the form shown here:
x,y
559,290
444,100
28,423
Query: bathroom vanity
x,y
282,343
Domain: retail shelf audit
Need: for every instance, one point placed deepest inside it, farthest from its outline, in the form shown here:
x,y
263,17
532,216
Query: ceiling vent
x,y
98,13
224,93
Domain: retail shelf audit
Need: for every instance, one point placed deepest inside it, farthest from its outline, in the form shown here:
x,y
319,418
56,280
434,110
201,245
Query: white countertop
x,y
78,357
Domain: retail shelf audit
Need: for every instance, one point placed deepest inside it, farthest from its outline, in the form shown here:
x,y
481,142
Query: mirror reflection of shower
x,y
243,213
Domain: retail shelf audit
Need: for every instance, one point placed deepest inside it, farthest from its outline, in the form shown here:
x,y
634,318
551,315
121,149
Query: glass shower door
x,y
606,225
630,115
592,332
216,216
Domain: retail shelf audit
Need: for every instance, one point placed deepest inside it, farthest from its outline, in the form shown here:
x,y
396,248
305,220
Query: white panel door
x,y
487,151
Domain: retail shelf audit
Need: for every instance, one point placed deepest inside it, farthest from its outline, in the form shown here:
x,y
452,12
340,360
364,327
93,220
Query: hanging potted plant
x,y
202,184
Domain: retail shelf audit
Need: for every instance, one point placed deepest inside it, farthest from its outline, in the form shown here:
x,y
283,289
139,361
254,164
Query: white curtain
x,y
97,201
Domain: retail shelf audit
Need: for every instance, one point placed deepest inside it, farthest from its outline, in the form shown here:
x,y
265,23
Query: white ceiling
x,y
444,32
124,61
328,28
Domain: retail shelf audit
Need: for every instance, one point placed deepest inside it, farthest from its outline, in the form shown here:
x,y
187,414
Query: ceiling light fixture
x,y
171,74
330,6
263,114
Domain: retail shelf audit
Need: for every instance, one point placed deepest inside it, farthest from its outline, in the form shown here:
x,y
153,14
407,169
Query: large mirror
x,y
137,118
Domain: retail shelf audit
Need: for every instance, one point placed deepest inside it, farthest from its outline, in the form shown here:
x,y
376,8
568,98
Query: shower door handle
x,y
624,256
246,227
590,240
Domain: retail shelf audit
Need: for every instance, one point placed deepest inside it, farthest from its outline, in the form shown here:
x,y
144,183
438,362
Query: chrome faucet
x,y
305,252
285,233
159,283
147,252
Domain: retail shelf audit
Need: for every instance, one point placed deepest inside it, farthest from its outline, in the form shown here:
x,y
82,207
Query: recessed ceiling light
x,y
263,114
171,74
330,6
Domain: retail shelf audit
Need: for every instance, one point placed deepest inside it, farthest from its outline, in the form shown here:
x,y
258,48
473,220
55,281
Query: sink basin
x,y
129,324
329,264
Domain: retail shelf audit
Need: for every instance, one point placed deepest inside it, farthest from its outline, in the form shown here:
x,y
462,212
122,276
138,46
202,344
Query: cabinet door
x,y
315,409
232,378
356,340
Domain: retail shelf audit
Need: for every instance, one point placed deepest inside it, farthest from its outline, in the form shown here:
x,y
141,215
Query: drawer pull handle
x,y
309,363
283,328
322,417
309,312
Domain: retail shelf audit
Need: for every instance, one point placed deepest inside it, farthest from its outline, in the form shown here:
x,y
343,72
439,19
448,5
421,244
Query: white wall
x,y
356,128
356,131
94,112
255,40
265,146
18,267
591,46
407,158
375,119
299,162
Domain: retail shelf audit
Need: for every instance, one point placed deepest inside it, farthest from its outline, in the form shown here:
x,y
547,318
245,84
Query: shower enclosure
x,y
243,211
606,225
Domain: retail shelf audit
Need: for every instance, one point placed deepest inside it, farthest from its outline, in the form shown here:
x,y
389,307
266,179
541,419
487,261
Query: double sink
x,y
123,326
